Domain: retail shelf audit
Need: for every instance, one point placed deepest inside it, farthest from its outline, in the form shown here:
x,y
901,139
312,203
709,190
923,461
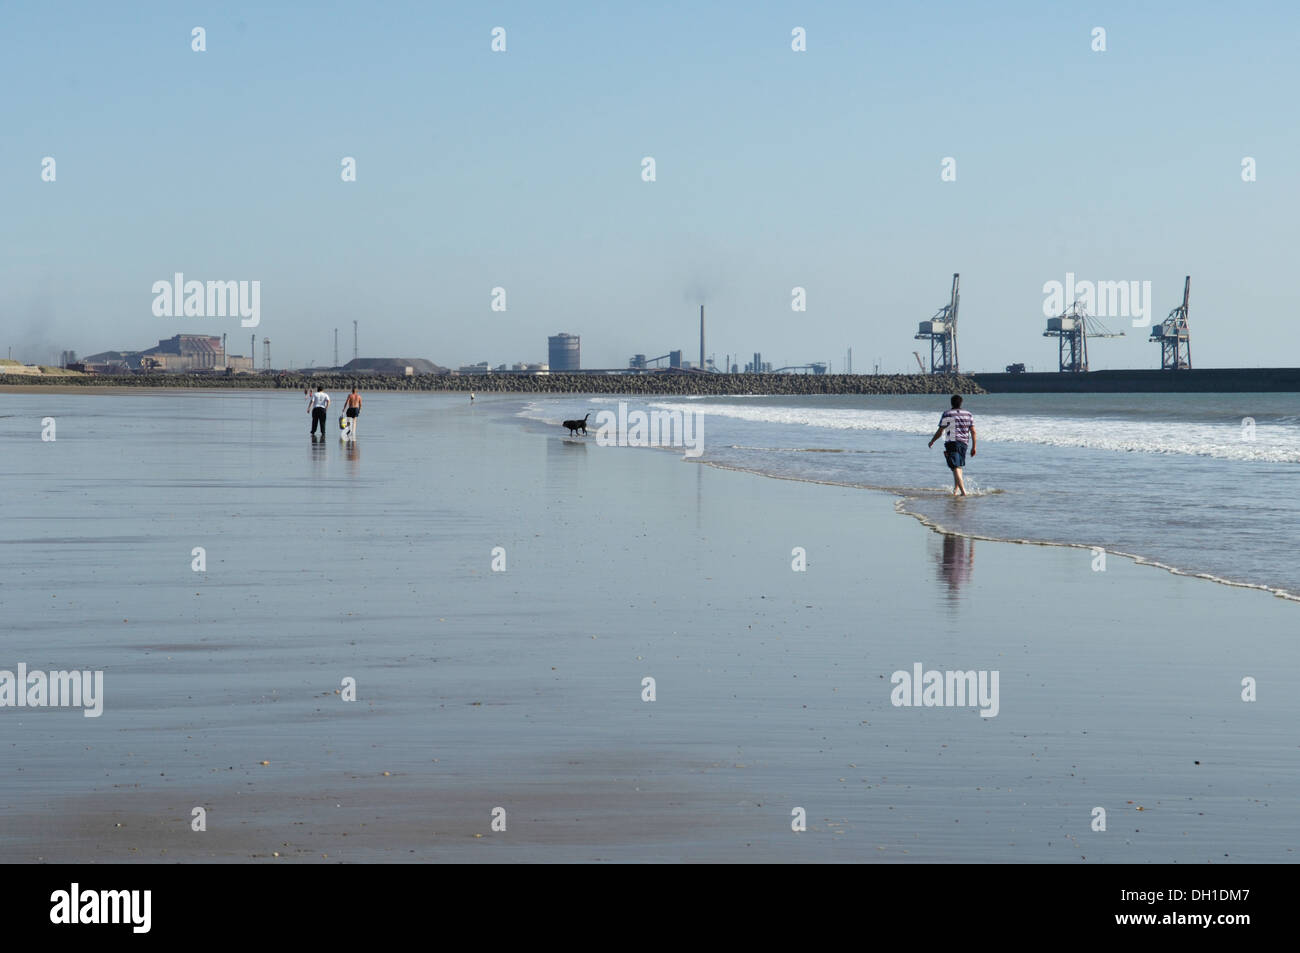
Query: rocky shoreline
x,y
555,383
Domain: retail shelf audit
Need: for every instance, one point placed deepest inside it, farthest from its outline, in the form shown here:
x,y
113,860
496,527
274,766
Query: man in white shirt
x,y
320,403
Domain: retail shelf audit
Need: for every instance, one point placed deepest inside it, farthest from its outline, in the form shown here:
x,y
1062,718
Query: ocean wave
x,y
796,462
1271,443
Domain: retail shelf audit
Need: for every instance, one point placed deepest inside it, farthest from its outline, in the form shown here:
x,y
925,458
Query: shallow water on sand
x,y
1205,483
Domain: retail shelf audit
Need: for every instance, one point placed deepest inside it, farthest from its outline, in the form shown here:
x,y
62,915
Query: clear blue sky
x,y
523,170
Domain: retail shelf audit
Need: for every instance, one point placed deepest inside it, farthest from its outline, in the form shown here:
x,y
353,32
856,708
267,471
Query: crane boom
x,y
956,299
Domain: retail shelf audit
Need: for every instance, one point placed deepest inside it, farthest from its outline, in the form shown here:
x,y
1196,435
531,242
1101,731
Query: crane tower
x,y
1174,336
941,331
1072,330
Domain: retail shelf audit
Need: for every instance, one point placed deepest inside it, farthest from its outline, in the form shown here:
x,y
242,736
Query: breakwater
x,y
1208,380
678,384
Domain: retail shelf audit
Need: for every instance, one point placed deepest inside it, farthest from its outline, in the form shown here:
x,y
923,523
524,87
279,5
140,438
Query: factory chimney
x,y
701,337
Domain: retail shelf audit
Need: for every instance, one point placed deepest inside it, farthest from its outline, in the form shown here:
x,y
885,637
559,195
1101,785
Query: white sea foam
x,y
1272,443
791,443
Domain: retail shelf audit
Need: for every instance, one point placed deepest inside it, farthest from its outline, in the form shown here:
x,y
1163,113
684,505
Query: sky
x,y
522,169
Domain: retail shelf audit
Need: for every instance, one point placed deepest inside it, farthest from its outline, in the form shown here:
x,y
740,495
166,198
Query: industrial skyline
x,y
543,198
1072,328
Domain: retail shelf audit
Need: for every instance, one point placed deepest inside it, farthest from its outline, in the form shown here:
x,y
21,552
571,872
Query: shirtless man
x,y
352,407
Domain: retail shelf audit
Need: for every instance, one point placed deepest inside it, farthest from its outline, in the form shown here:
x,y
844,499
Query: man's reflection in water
x,y
353,455
956,562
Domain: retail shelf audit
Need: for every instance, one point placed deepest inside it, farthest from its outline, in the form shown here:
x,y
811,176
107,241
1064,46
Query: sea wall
x,y
1204,380
556,383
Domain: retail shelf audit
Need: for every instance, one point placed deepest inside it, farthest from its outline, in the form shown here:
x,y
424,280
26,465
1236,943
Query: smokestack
x,y
701,337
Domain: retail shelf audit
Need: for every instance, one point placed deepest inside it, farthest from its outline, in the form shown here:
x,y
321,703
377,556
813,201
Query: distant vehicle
x,y
1015,368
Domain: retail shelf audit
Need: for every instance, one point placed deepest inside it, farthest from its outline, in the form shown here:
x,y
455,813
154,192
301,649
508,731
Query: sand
x,y
523,689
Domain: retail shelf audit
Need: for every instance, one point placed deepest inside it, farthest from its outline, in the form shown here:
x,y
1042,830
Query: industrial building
x,y
519,367
184,352
397,366
564,352
181,353
639,362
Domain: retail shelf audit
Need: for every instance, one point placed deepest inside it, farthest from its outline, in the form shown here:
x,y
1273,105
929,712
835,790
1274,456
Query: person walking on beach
x,y
320,403
957,427
352,406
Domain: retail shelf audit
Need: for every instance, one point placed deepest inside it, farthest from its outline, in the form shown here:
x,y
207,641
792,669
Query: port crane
x,y
919,362
1072,329
941,332
1174,336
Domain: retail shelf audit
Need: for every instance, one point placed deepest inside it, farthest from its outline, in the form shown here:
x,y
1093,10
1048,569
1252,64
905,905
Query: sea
x,y
1201,484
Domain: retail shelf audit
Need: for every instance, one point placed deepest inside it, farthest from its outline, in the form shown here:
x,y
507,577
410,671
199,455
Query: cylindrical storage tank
x,y
564,352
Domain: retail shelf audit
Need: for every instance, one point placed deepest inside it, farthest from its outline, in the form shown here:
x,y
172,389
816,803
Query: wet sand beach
x,y
523,688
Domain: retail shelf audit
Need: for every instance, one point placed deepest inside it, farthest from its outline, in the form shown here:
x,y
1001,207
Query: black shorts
x,y
352,412
955,454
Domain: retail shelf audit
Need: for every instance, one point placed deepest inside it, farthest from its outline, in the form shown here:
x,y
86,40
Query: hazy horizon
x,y
522,170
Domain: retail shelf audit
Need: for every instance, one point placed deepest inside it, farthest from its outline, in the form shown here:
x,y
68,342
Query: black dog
x,y
576,425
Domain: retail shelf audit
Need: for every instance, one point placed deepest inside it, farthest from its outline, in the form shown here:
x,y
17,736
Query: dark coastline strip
x,y
556,383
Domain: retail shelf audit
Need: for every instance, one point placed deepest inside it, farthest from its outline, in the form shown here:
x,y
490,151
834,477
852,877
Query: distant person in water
x,y
320,402
352,407
471,397
957,427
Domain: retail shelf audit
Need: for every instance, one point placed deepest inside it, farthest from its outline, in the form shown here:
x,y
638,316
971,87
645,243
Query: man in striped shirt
x,y
957,427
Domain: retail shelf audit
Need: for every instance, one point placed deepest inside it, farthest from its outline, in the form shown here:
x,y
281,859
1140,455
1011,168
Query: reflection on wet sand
x,y
562,456
956,562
